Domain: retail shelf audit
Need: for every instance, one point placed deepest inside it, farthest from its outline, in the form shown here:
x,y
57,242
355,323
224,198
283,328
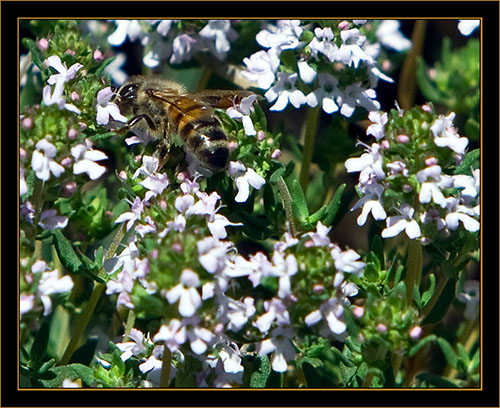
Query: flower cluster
x,y
405,173
332,66
175,41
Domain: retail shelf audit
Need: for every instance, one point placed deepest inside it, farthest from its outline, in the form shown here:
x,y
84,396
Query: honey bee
x,y
162,108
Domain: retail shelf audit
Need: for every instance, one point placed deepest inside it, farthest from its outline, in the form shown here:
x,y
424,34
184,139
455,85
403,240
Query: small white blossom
x,y
355,95
261,67
242,112
42,163
125,28
50,283
222,33
470,295
403,222
284,36
326,94
467,27
65,74
186,293
389,35
445,135
244,178
86,158
376,129
173,335
49,220
280,345
106,108
183,48
134,347
284,91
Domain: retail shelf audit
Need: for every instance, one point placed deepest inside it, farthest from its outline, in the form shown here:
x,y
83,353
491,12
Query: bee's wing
x,y
222,99
184,103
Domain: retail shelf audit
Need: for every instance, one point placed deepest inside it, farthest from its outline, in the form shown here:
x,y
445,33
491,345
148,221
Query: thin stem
x,y
165,367
84,318
414,268
287,203
311,125
129,325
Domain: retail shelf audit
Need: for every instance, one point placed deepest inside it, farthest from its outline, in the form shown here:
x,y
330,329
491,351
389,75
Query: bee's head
x,y
126,96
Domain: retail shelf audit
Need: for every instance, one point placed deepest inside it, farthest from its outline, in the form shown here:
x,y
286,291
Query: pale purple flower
x,y
348,261
42,161
276,311
284,36
86,158
199,338
320,237
284,92
238,313
460,213
284,269
331,312
470,295
322,43
173,336
23,186
221,32
431,190
212,254
355,95
49,220
183,48
306,72
369,165
350,52
125,28
107,109
65,74
26,303
154,182
131,216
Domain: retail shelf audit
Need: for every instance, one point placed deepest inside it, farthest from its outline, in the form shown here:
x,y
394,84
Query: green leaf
x,y
39,346
436,380
426,340
427,295
299,204
443,303
261,372
59,332
471,160
474,362
334,205
66,253
449,353
377,247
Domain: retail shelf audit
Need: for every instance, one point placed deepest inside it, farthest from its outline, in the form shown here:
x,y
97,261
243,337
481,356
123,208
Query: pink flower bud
x,y
232,145
384,144
22,153
70,52
358,312
431,161
98,55
74,96
261,135
276,154
27,123
402,139
69,188
415,332
381,328
72,134
43,44
66,162
343,25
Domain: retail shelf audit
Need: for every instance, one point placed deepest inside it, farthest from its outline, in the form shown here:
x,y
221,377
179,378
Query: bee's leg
x,y
134,120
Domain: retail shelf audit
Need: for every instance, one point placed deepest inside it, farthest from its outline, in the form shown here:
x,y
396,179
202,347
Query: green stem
x,y
84,318
129,325
287,203
311,125
414,268
165,367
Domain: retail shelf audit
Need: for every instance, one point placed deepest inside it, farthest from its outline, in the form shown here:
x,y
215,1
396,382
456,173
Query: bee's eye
x,y
128,92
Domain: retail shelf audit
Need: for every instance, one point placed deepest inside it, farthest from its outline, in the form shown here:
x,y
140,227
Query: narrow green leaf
x,y
39,346
436,380
334,205
443,303
259,377
421,343
471,159
299,204
66,253
449,353
426,296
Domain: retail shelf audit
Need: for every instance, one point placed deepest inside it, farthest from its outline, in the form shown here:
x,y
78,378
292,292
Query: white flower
x,y
50,98
23,186
155,182
261,67
432,189
124,28
244,178
49,220
355,95
198,337
65,74
242,112
322,43
183,48
190,299
284,91
306,73
85,160
445,135
173,335
212,254
42,163
467,27
405,221
67,383
326,93
284,36
284,268
50,283
369,165
280,344
131,216
26,303
460,213
238,313
222,32
134,347
350,52
107,109
331,312
389,35
320,237
114,69
277,311
348,261
376,129
470,295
